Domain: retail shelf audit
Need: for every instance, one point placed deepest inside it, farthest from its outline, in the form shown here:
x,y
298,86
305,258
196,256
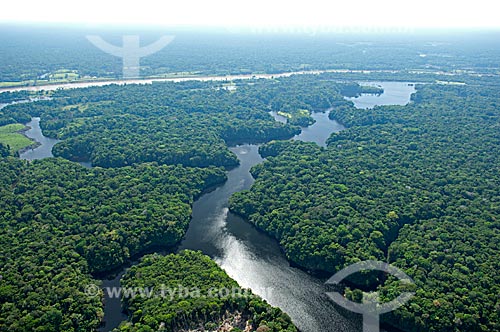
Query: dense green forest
x,y
415,185
9,97
60,222
189,291
187,123
71,222
4,150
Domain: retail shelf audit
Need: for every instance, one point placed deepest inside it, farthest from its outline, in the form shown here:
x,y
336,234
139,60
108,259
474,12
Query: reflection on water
x,y
206,229
254,259
113,308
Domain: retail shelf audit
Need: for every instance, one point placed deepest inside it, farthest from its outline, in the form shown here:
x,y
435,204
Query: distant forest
x,y
38,53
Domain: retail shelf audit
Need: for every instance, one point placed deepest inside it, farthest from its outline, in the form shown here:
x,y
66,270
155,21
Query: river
x,y
86,84
44,144
249,256
75,85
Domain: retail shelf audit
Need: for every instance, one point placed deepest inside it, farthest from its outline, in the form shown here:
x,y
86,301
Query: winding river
x,y
249,256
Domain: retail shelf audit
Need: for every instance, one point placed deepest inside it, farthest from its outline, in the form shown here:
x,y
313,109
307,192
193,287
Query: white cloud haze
x,y
262,13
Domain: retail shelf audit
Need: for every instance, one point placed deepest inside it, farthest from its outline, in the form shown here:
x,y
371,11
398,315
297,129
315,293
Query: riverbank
x,y
14,136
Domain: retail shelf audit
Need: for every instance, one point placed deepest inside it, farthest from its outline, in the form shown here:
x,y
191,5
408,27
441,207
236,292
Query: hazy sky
x,y
262,13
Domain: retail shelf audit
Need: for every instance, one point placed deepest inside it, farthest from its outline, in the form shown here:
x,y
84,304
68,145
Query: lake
x,y
395,93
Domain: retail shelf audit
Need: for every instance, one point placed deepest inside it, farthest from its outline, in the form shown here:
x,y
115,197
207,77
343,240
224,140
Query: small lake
x,y
320,130
395,93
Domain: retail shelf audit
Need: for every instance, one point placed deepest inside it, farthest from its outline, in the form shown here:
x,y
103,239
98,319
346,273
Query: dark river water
x,y
250,257
255,260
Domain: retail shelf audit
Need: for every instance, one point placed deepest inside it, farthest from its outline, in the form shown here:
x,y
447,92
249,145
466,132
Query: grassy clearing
x,y
11,84
9,135
178,74
64,76
83,107
11,128
285,114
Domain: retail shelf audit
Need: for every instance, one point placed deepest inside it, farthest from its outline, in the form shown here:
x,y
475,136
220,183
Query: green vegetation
x,y
191,292
10,136
187,123
9,97
298,117
60,222
4,150
416,185
11,128
355,90
71,222
64,74
376,90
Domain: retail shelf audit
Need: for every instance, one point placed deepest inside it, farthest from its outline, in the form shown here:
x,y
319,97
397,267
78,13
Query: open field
x,y
9,135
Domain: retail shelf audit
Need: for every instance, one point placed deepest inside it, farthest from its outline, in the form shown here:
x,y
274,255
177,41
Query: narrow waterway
x,y
45,144
252,258
255,260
